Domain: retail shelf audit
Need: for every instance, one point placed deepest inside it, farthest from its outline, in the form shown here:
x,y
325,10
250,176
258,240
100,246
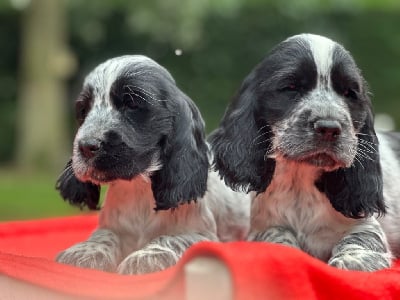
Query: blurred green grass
x,y
31,196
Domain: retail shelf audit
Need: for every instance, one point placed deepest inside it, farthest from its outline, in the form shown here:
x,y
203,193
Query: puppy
x,y
299,134
145,138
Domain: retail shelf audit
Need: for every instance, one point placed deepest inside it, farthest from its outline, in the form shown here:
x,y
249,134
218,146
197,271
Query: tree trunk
x,y
42,141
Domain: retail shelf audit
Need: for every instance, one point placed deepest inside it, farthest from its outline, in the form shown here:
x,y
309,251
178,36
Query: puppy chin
x,y
93,176
320,160
86,173
324,161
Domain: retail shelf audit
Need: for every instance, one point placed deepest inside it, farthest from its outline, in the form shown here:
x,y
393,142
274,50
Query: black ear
x,y
356,192
241,143
184,172
77,192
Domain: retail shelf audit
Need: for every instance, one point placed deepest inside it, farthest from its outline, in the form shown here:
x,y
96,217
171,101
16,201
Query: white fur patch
x,y
293,201
322,49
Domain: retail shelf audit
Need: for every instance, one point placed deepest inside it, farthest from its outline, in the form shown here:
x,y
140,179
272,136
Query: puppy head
x,y
306,103
134,121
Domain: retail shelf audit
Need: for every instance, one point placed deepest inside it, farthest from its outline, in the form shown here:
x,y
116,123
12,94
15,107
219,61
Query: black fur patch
x,y
76,192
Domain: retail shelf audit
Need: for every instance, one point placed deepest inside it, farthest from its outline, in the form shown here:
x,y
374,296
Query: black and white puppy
x,y
299,133
144,137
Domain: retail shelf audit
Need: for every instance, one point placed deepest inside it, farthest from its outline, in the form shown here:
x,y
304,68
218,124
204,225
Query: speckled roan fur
x,y
335,196
144,138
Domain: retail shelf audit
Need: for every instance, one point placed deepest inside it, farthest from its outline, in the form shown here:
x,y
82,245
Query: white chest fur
x,y
129,212
293,201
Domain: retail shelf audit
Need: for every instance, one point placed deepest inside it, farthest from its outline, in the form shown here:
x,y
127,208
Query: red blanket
x,y
257,270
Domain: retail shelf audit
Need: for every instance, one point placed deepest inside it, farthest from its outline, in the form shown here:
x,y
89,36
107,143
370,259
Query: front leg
x,y
277,235
101,251
159,254
365,248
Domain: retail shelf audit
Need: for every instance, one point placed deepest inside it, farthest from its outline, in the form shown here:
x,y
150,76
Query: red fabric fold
x,y
258,270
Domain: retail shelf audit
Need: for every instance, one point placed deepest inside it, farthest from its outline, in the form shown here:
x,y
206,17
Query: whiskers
x,y
366,150
68,171
141,93
350,150
264,137
288,145
264,132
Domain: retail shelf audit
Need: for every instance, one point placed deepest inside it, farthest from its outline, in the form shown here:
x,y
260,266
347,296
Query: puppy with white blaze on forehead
x,y
141,135
300,134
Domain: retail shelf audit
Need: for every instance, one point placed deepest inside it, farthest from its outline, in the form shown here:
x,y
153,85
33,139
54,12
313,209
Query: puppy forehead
x,y
322,50
105,74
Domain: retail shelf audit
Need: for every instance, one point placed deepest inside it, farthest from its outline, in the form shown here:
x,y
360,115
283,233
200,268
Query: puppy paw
x,y
277,235
361,260
90,255
142,262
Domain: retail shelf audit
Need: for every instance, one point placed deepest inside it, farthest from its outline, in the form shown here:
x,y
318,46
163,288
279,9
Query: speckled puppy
x,y
300,134
145,138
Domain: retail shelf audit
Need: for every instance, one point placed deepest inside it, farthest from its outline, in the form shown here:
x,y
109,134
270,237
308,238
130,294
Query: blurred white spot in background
x,y
384,122
178,52
20,4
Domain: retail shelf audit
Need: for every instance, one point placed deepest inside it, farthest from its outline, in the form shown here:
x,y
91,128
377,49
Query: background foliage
x,y
220,42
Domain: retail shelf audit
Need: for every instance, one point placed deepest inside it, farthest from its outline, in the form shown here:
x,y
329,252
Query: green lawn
x,y
30,197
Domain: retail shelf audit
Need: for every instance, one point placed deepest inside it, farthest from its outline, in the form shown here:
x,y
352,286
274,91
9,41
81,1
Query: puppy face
x,y
307,103
134,121
123,120
313,99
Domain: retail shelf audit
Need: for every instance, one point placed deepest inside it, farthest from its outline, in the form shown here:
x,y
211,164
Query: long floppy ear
x,y
356,192
241,142
184,172
77,192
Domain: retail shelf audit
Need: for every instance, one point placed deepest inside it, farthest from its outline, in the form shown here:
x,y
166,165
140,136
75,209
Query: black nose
x,y
89,147
328,130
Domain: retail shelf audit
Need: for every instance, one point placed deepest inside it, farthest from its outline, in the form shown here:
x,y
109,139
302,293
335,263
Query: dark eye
x,y
130,100
81,110
83,105
351,94
290,88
